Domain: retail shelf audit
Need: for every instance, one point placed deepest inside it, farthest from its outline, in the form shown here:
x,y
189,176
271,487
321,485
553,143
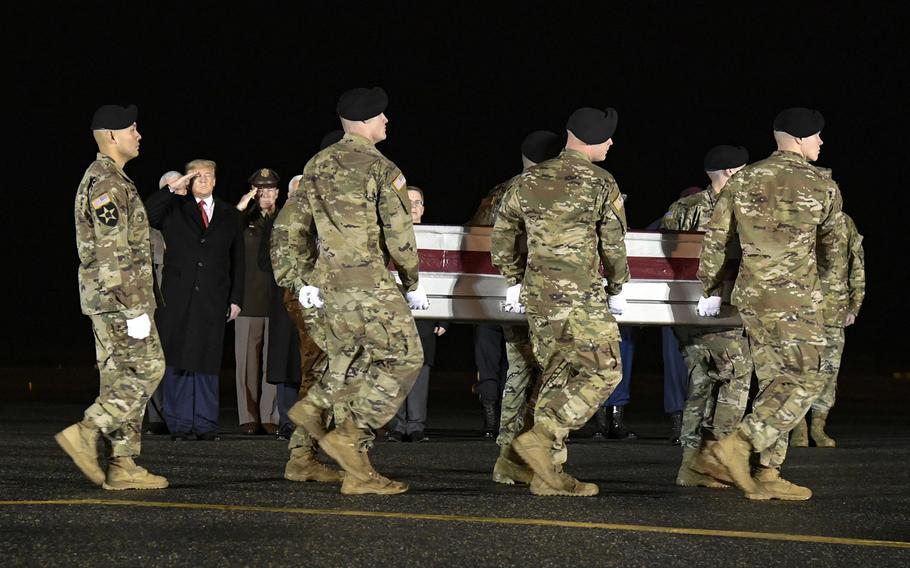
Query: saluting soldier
x,y
571,213
784,212
718,359
116,291
354,201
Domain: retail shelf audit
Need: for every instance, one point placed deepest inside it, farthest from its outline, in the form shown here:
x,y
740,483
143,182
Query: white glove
x,y
617,304
310,298
512,303
417,300
708,307
139,328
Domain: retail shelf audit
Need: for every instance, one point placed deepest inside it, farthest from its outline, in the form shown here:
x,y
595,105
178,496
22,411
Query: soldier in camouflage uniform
x,y
116,290
571,213
354,201
515,412
718,359
844,286
784,211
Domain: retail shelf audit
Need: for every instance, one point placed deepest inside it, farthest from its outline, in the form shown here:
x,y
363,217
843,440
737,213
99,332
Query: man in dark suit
x,y
203,289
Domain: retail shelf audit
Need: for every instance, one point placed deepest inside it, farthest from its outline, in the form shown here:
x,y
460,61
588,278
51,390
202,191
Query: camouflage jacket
x,y
351,214
785,212
844,284
572,214
690,213
112,239
485,216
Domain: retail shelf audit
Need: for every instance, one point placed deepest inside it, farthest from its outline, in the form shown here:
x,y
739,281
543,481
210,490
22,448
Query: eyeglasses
x,y
417,203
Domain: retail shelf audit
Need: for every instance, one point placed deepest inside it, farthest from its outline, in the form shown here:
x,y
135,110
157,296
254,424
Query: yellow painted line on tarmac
x,y
803,538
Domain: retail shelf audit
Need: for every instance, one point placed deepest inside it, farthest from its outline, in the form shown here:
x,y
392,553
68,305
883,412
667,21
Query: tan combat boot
x,y
568,487
773,486
375,484
310,417
79,441
535,448
123,473
817,430
799,436
728,459
688,477
510,468
302,466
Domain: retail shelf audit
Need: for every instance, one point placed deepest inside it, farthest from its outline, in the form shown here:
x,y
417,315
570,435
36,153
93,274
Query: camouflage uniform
x,y
718,359
514,416
571,213
784,211
115,284
354,201
844,287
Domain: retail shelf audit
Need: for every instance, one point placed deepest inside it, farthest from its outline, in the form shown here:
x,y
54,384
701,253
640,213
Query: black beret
x,y
330,138
362,104
724,157
541,145
114,117
799,122
591,125
264,178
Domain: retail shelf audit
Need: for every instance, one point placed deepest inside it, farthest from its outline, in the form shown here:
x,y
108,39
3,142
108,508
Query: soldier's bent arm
x,y
675,219
394,209
720,231
856,268
827,240
293,244
508,233
117,269
611,243
159,205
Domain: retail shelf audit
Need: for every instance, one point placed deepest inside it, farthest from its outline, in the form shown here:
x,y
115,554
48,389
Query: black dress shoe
x,y
394,436
208,437
418,436
180,436
618,430
675,428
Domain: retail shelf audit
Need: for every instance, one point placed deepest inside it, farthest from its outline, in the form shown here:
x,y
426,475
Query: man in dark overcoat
x,y
203,289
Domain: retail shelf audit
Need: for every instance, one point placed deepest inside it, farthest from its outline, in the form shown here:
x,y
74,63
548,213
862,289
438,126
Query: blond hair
x,y
200,164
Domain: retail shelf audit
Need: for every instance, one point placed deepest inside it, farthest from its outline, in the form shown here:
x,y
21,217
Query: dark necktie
x,y
205,216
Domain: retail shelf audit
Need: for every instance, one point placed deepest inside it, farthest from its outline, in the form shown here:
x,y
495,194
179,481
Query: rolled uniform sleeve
x,y
508,233
394,209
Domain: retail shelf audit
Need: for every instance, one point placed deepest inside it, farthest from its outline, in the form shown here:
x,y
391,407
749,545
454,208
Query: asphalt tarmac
x,y
228,504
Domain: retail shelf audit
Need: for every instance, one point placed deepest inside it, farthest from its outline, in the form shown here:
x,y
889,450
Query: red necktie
x,y
205,216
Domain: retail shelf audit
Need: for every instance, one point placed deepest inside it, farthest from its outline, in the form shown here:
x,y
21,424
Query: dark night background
x,y
251,87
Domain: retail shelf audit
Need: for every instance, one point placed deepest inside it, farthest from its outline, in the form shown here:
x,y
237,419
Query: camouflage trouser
x,y
830,368
313,361
515,414
130,371
374,353
578,350
720,373
786,351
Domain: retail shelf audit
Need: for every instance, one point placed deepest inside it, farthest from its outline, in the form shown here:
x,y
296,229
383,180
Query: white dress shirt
x,y
209,206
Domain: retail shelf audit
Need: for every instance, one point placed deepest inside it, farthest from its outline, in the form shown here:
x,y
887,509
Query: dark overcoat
x,y
203,276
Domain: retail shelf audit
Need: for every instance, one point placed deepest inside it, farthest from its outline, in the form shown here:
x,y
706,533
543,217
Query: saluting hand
x,y
247,197
179,186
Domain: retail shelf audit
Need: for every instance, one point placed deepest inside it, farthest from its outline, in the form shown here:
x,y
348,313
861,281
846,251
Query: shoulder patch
x,y
101,201
618,202
107,213
399,182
